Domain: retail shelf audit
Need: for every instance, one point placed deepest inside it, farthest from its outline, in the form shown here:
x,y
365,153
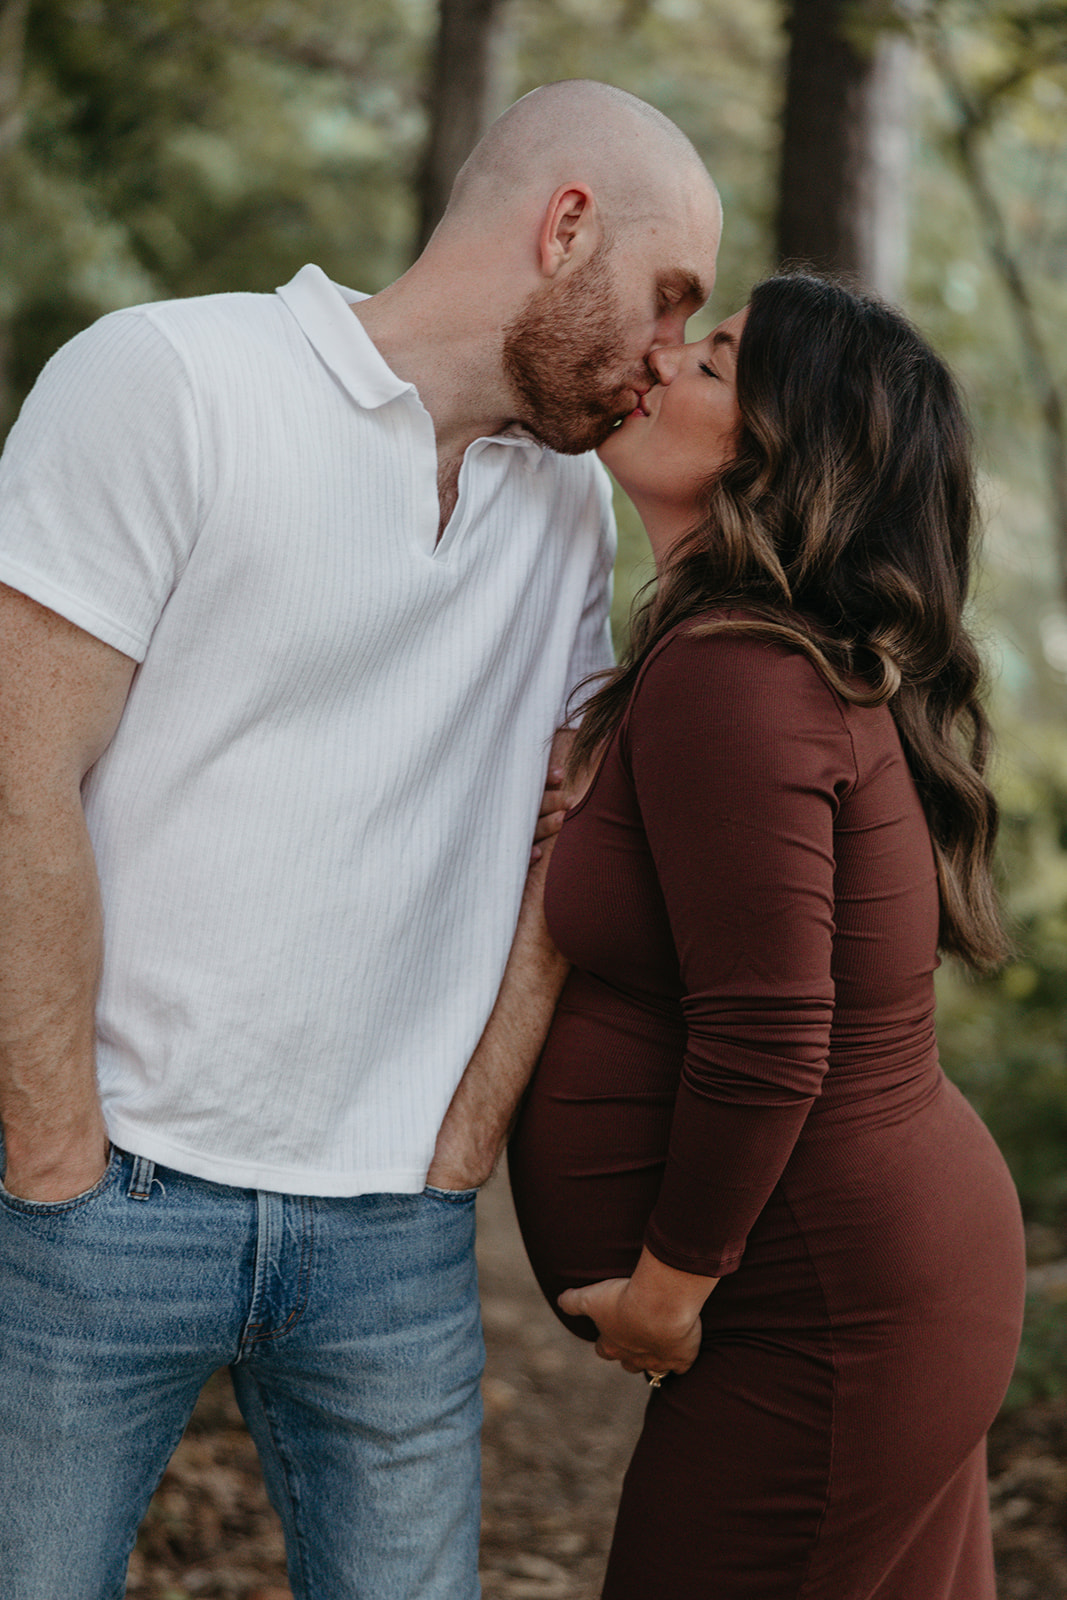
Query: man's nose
x,y
670,325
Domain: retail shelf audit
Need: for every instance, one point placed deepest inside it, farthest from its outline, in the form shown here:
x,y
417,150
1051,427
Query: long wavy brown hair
x,y
845,527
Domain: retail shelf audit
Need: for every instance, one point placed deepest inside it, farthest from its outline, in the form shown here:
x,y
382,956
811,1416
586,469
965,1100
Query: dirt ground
x,y
559,1428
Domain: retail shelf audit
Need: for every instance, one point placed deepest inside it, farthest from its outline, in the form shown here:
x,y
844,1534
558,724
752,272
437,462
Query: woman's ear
x,y
570,229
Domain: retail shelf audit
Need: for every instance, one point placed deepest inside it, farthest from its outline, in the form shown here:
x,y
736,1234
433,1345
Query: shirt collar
x,y
339,339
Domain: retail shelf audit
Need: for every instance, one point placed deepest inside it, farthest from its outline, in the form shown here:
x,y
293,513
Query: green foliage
x,y
174,149
1041,1369
1004,1040
1005,1045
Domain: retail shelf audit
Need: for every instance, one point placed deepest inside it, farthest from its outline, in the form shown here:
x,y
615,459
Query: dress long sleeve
x,y
739,756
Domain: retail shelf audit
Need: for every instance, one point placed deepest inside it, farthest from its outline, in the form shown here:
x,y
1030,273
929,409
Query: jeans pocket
x,y
55,1208
450,1197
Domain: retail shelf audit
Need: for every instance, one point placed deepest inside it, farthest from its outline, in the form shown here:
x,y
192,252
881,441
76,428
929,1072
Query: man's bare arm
x,y
483,1107
61,696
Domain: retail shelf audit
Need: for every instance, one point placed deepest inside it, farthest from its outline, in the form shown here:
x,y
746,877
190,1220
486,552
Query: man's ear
x,y
570,229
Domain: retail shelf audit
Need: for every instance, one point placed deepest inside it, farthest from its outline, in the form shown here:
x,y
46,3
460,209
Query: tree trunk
x,y
13,14
460,100
846,143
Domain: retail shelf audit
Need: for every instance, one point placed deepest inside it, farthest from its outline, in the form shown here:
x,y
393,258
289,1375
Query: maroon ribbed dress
x,y
742,1073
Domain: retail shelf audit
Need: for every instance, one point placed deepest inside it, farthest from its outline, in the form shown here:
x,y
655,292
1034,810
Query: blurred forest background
x,y
154,148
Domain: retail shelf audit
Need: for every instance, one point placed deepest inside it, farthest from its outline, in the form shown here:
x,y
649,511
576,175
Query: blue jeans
x,y
351,1330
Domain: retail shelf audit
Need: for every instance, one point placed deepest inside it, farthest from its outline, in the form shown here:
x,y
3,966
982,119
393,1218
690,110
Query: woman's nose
x,y
664,361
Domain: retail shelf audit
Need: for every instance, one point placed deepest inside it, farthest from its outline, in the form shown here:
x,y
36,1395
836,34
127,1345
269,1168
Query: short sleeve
x,y
739,756
100,482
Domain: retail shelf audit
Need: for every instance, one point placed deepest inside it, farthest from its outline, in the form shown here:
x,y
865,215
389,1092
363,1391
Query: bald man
x,y
295,588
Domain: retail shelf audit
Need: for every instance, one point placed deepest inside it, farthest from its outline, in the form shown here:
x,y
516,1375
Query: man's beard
x,y
564,356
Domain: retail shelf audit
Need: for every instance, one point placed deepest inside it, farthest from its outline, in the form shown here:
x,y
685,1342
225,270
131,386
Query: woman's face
x,y
682,433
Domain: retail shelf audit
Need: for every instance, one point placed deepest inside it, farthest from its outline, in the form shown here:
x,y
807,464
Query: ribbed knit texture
x,y
313,824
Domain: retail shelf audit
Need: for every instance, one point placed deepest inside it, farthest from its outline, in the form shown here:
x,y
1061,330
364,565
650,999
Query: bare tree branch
x,y
1053,55
972,117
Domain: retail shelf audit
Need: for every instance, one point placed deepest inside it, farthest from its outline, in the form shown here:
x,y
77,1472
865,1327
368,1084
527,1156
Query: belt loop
x,y
141,1178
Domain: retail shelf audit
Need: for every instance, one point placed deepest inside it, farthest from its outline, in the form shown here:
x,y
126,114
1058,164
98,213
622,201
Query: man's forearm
x,y
50,945
483,1107
62,693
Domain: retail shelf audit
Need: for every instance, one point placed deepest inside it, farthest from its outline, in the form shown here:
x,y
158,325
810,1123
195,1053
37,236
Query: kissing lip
x,y
638,409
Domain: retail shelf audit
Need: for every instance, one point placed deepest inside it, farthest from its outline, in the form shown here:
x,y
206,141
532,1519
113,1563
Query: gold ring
x,y
654,1379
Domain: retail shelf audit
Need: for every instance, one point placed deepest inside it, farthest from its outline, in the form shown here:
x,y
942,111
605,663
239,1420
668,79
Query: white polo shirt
x,y
313,823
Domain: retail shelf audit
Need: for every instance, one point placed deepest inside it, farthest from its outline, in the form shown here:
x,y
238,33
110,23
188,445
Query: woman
x,y
739,1166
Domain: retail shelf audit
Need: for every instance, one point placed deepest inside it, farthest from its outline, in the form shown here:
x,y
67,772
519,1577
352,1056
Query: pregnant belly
x,y
587,1155
880,1221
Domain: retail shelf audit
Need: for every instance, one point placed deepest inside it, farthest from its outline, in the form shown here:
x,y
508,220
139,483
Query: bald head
x,y
581,234
633,158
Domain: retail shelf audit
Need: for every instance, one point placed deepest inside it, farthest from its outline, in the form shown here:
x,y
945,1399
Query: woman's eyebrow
x,y
721,339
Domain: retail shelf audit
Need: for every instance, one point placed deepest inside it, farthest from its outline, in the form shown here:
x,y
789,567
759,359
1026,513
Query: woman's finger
x,y
548,823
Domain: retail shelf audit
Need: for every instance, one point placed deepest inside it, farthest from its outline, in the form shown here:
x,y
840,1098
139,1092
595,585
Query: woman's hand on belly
x,y
648,1323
